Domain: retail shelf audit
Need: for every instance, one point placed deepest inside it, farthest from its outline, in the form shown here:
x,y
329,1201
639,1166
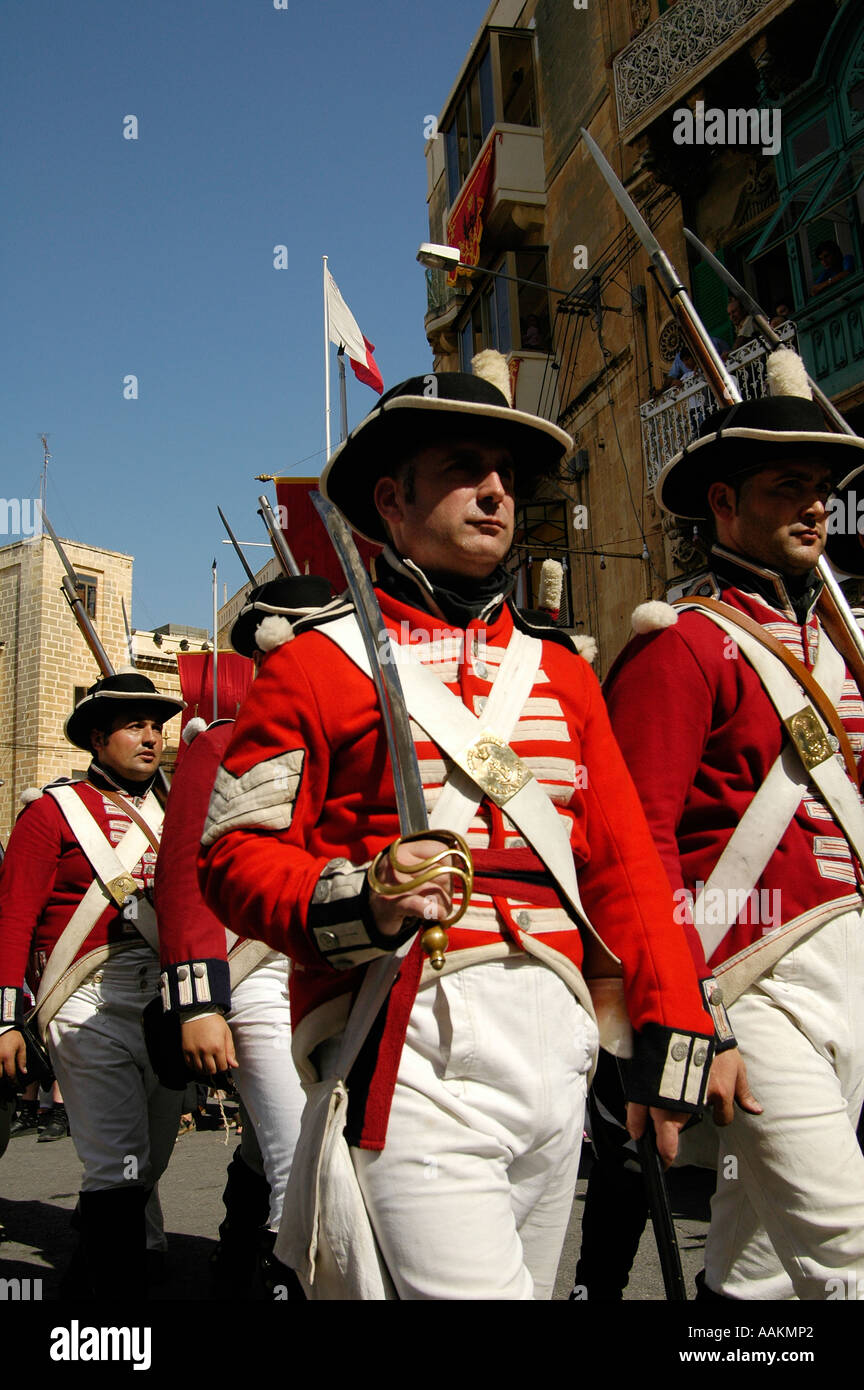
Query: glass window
x,y
533,300
85,587
451,150
810,143
518,96
792,211
487,96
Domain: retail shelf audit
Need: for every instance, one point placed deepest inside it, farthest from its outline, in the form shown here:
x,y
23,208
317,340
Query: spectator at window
x,y
744,324
835,266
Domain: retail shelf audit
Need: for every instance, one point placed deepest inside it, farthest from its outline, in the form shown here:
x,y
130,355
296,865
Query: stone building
x,y
511,181
45,664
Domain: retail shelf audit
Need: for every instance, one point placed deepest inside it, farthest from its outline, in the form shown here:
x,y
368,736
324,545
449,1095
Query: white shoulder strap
x,y
769,814
114,866
457,732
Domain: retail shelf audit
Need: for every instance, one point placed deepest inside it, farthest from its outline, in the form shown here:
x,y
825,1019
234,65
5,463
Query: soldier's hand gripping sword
x,y
455,860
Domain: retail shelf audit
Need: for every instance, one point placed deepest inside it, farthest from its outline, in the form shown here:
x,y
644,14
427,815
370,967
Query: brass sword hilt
x,y
434,937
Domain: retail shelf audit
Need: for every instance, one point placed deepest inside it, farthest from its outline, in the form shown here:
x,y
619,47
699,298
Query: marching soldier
x,y
211,987
467,1098
76,903
743,729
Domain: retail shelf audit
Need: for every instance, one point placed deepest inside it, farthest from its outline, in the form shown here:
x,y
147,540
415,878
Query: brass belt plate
x,y
121,888
492,764
809,738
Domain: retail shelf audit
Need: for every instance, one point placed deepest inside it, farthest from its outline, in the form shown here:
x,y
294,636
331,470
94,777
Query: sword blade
x,y
410,802
766,332
734,286
623,199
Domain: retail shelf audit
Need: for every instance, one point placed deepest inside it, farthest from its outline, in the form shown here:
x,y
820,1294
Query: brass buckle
x,y
809,737
492,764
121,888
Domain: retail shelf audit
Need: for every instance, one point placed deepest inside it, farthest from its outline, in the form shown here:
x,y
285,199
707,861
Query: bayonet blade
x,y
734,286
410,801
623,199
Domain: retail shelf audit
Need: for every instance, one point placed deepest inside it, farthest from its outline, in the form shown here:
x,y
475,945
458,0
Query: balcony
x,y
673,419
675,53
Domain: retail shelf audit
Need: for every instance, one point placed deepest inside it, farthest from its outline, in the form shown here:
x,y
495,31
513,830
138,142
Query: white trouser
x,y
788,1217
471,1195
266,1077
123,1122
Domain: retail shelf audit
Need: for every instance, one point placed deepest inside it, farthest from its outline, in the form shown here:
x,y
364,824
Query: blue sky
x,y
257,127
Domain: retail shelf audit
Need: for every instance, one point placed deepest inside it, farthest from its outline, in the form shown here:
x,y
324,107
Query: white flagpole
x,y
215,643
326,361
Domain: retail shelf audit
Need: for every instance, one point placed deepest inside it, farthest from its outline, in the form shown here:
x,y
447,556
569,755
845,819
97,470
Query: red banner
x,y
234,677
466,220
306,534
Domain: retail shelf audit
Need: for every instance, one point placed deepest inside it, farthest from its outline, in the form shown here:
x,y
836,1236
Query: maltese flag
x,y
345,333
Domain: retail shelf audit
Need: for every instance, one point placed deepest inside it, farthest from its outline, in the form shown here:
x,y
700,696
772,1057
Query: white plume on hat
x,y
30,794
195,727
551,585
786,374
492,366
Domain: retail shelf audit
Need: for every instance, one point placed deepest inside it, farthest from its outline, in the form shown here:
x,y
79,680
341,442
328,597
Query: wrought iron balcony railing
x,y
673,419
671,56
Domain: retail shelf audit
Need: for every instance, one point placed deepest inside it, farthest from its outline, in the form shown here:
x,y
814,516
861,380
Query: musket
x,y
661,1216
128,632
85,623
769,337
236,544
410,801
713,367
82,617
277,537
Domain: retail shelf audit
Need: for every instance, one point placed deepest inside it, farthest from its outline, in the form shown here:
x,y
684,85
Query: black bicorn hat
x,y
746,437
425,409
283,600
125,690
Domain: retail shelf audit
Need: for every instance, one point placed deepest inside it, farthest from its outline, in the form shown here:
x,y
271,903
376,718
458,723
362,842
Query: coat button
x,y
699,1057
327,938
523,919
679,1051
481,670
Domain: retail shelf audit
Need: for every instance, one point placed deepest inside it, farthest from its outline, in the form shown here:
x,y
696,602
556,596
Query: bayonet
x,y
766,332
705,353
689,322
236,544
277,537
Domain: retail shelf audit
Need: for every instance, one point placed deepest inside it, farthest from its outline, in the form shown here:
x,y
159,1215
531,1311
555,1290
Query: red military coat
x,y
305,799
43,878
700,735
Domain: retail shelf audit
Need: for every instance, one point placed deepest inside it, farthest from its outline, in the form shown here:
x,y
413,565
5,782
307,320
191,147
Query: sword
x,y
705,353
410,802
766,332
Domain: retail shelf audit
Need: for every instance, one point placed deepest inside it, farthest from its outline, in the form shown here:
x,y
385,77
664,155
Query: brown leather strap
x,y
792,664
133,815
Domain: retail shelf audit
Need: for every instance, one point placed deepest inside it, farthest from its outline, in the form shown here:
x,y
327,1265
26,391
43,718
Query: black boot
x,y
114,1242
27,1119
57,1126
276,1283
247,1207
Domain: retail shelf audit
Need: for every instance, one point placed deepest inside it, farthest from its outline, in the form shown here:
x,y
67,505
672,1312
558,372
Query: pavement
x,y
39,1187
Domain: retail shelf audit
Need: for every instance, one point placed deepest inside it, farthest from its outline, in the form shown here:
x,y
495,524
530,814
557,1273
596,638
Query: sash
x,y
771,810
113,867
